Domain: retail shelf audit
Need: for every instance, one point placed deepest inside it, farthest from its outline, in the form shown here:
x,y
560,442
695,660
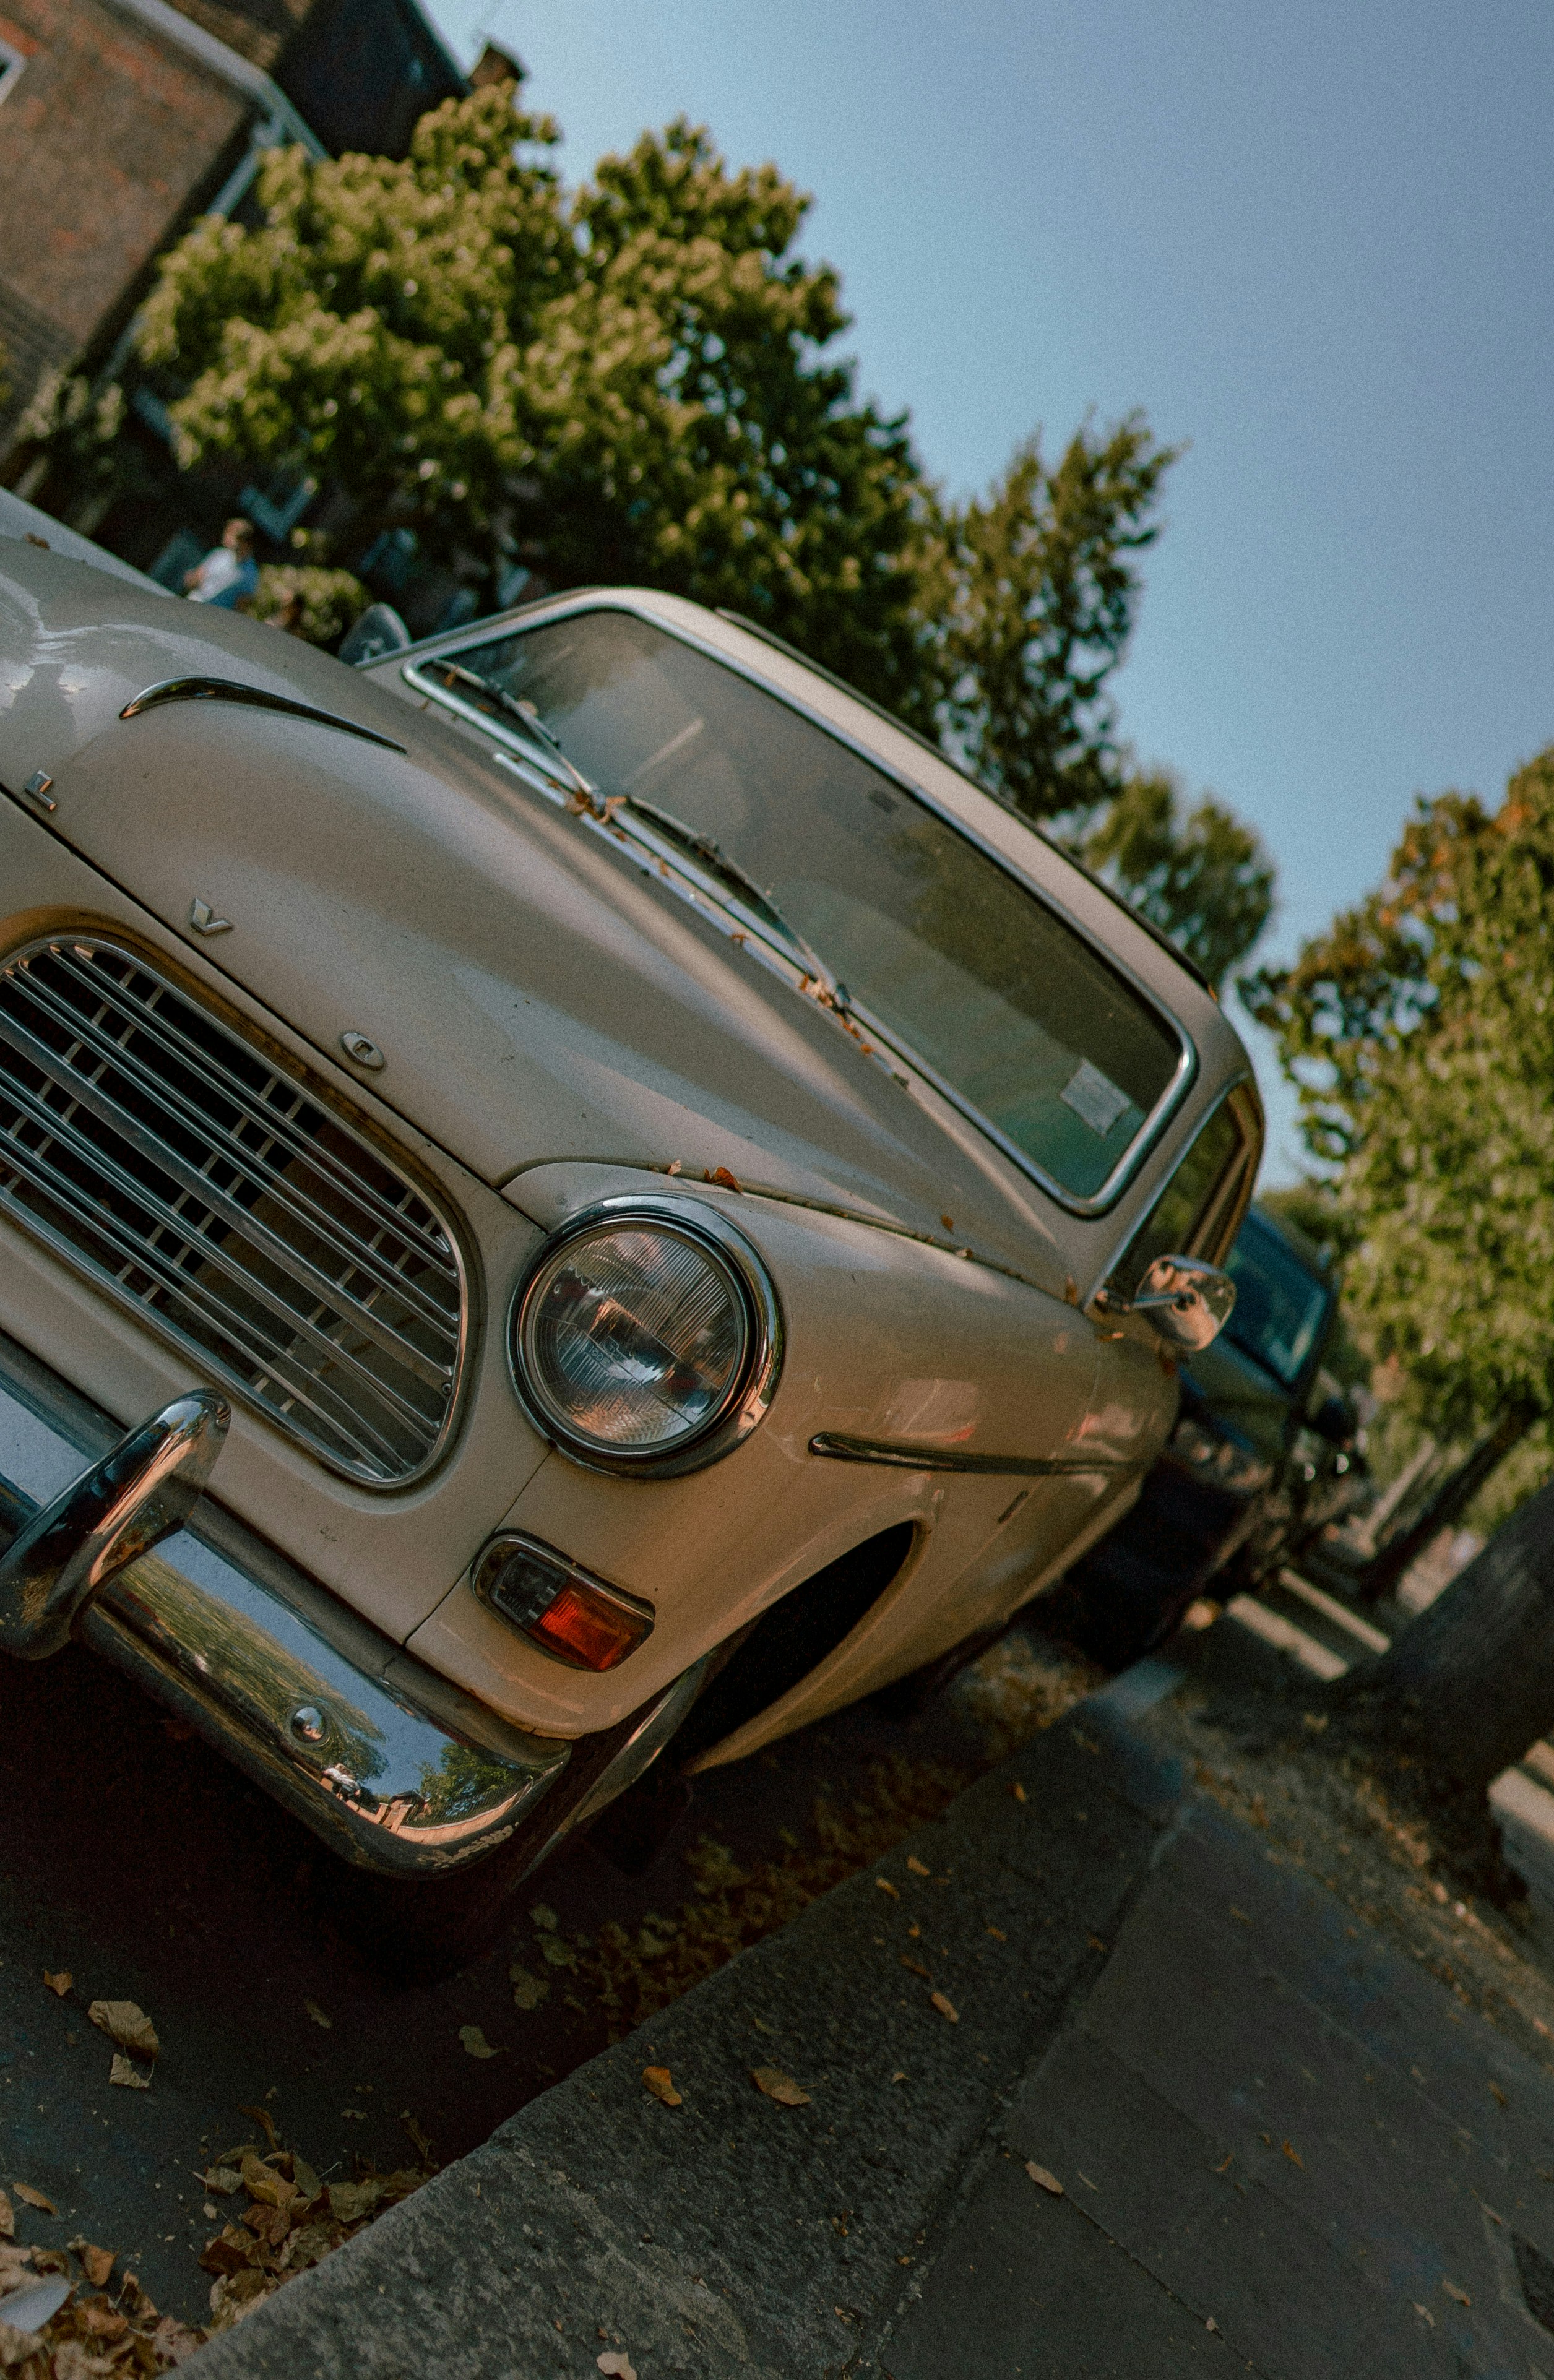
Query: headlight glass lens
x,y
633,1338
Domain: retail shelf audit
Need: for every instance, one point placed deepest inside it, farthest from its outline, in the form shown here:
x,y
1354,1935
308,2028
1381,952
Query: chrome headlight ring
x,y
685,1227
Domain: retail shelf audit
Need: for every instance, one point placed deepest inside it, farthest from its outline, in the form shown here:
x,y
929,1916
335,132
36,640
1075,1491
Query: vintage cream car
x,y
615,1193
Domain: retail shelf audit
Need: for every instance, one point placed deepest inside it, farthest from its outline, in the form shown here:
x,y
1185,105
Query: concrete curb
x,y
733,2235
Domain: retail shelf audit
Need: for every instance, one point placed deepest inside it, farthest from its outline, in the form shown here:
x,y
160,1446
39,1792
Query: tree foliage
x,y
639,382
1031,605
631,384
1420,1030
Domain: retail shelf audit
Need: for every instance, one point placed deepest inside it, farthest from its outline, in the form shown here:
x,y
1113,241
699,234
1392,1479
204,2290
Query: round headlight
x,y
646,1337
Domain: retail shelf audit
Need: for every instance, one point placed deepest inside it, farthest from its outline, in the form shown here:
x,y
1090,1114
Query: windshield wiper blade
x,y
523,714
718,864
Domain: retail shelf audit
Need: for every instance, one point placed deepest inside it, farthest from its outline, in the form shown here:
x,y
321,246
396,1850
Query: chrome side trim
x,y
903,1457
226,689
397,1769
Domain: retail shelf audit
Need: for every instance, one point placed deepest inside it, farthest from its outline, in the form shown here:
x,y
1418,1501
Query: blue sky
x,y
1315,243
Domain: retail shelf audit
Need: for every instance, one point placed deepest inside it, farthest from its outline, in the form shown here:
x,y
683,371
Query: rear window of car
x,y
945,954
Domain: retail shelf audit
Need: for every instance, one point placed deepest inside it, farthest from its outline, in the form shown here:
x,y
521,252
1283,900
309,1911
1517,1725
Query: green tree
x,y
1029,598
633,383
1420,1031
639,382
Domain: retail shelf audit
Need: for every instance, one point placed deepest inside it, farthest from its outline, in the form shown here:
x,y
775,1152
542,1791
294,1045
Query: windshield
x,y
1280,1307
941,950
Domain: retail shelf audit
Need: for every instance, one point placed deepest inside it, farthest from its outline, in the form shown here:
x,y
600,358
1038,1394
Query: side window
x,y
1201,1196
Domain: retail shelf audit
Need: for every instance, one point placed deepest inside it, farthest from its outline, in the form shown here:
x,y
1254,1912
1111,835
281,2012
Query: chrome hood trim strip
x,y
229,689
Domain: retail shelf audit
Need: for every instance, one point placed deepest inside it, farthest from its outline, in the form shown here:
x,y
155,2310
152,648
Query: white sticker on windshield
x,y
1095,1097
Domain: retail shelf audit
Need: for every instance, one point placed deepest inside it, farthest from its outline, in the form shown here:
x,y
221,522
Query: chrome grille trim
x,y
174,1162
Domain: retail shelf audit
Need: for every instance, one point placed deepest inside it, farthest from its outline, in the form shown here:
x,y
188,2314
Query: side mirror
x,y
380,630
1187,1300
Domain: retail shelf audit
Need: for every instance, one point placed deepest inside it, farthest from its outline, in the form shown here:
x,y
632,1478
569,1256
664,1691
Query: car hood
x,y
533,995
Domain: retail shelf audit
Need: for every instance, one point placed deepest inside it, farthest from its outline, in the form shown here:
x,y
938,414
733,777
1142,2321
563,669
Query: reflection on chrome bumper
x,y
394,1767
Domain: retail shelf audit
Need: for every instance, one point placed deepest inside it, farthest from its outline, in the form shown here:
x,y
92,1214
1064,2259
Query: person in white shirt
x,y
229,573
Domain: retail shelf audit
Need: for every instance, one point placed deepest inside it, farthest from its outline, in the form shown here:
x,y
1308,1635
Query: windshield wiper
x,y
728,872
689,839
522,713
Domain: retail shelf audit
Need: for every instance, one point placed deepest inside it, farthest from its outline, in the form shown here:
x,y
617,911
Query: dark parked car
x,y
1263,1458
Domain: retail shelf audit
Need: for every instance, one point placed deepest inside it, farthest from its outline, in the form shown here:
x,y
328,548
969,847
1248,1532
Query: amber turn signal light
x,y
561,1607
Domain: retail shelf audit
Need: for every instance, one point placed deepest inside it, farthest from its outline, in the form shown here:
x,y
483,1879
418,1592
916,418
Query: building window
x,y
11,64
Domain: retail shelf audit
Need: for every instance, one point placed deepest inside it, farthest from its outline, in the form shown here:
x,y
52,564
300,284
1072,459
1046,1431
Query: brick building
x,y
121,119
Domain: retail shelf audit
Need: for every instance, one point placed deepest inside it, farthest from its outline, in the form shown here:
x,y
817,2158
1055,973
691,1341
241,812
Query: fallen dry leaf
x,y
263,2117
30,2197
127,2026
546,1919
173,2340
1293,2155
557,1952
353,2115
263,2183
1018,1791
616,2367
475,2043
1424,2311
1229,2161
1043,2179
998,1934
1453,2291
945,2006
915,1865
720,1173
59,1984
914,1966
307,2180
96,2263
883,1884
1498,2096
318,2015
661,2084
349,2201
528,1990
1213,2326
779,2086
123,2072
222,2178
7,2218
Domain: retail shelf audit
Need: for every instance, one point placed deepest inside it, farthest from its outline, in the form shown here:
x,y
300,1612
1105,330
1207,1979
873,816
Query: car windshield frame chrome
x,y
543,774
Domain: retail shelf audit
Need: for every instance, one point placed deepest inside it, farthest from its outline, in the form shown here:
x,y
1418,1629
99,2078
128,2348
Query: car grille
x,y
176,1164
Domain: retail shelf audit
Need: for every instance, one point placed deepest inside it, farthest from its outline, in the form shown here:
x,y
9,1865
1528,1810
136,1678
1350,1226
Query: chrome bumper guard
x,y
394,1767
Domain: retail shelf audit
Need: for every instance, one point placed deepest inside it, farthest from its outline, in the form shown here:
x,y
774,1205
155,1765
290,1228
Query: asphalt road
x,y
139,1862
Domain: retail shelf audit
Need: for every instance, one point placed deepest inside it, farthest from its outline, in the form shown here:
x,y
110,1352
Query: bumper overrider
x,y
106,1538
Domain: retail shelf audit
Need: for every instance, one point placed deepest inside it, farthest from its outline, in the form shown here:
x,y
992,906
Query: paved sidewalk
x,y
1284,2148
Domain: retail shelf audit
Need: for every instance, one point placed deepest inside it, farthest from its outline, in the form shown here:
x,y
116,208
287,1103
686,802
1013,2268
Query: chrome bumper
x,y
397,1769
